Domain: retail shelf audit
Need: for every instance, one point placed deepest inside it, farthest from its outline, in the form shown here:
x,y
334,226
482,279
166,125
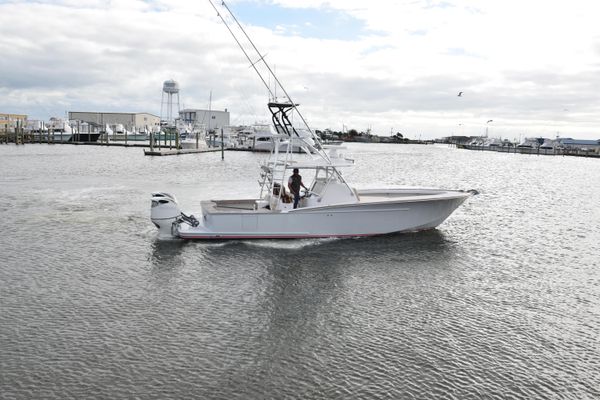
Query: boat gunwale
x,y
210,207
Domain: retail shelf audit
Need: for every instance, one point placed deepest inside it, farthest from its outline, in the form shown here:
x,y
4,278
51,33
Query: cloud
x,y
384,64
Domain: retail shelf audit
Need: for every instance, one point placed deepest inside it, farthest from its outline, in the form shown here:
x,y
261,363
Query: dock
x,y
109,144
572,152
19,137
176,152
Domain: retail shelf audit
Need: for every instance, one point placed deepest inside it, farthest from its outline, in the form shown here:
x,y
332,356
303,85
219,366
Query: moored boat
x,y
225,137
259,137
35,126
59,130
547,145
121,134
84,131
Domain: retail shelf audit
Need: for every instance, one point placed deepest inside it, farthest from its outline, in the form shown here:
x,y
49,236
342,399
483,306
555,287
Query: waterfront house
x,y
8,122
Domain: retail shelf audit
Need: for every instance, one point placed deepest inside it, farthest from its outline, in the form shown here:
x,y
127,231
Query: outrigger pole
x,y
253,64
267,65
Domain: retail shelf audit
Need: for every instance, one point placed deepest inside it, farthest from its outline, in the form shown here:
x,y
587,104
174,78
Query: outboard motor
x,y
164,212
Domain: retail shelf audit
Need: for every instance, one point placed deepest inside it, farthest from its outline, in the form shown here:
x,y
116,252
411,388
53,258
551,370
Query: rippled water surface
x,y
502,301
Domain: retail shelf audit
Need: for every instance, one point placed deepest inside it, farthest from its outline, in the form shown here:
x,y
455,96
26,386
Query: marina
x,y
260,138
293,256
575,152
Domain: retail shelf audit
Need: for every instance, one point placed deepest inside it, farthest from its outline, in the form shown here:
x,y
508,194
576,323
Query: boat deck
x,y
254,206
408,195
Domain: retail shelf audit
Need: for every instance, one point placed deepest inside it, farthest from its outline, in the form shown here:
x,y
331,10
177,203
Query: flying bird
x,y
460,94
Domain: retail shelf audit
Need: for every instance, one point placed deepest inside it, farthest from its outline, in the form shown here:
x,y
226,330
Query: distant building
x,y
212,119
579,144
8,122
128,120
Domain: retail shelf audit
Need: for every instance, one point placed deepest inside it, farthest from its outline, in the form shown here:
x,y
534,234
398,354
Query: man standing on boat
x,y
294,184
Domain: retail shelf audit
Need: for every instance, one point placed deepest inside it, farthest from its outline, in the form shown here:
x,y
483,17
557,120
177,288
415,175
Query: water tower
x,y
170,89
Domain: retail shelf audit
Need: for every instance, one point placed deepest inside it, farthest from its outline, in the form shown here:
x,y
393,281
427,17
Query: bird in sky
x,y
460,94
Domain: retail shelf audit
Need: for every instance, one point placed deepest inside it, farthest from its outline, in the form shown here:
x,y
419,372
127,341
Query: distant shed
x,y
210,119
128,120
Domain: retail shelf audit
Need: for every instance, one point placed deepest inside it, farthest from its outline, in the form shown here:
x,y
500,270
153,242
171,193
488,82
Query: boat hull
x,y
347,220
192,144
128,138
61,137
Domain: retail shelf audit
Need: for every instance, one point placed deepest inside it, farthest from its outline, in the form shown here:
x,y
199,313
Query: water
x,y
501,302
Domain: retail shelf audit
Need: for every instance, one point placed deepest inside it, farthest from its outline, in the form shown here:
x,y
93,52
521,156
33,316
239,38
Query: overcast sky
x,y
533,67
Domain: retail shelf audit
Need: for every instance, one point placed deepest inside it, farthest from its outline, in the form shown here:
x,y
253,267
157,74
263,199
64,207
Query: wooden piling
x,y
222,146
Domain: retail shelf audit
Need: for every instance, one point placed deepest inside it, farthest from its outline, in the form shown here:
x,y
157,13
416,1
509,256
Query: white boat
x,y
330,207
105,133
260,137
59,130
492,142
191,136
141,133
547,145
193,139
226,137
121,134
36,126
37,129
530,143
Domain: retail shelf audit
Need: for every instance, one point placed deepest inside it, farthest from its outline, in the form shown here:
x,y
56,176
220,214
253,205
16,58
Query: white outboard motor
x,y
164,212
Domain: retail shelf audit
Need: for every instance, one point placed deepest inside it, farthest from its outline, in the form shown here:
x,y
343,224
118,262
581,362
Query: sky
x,y
532,67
